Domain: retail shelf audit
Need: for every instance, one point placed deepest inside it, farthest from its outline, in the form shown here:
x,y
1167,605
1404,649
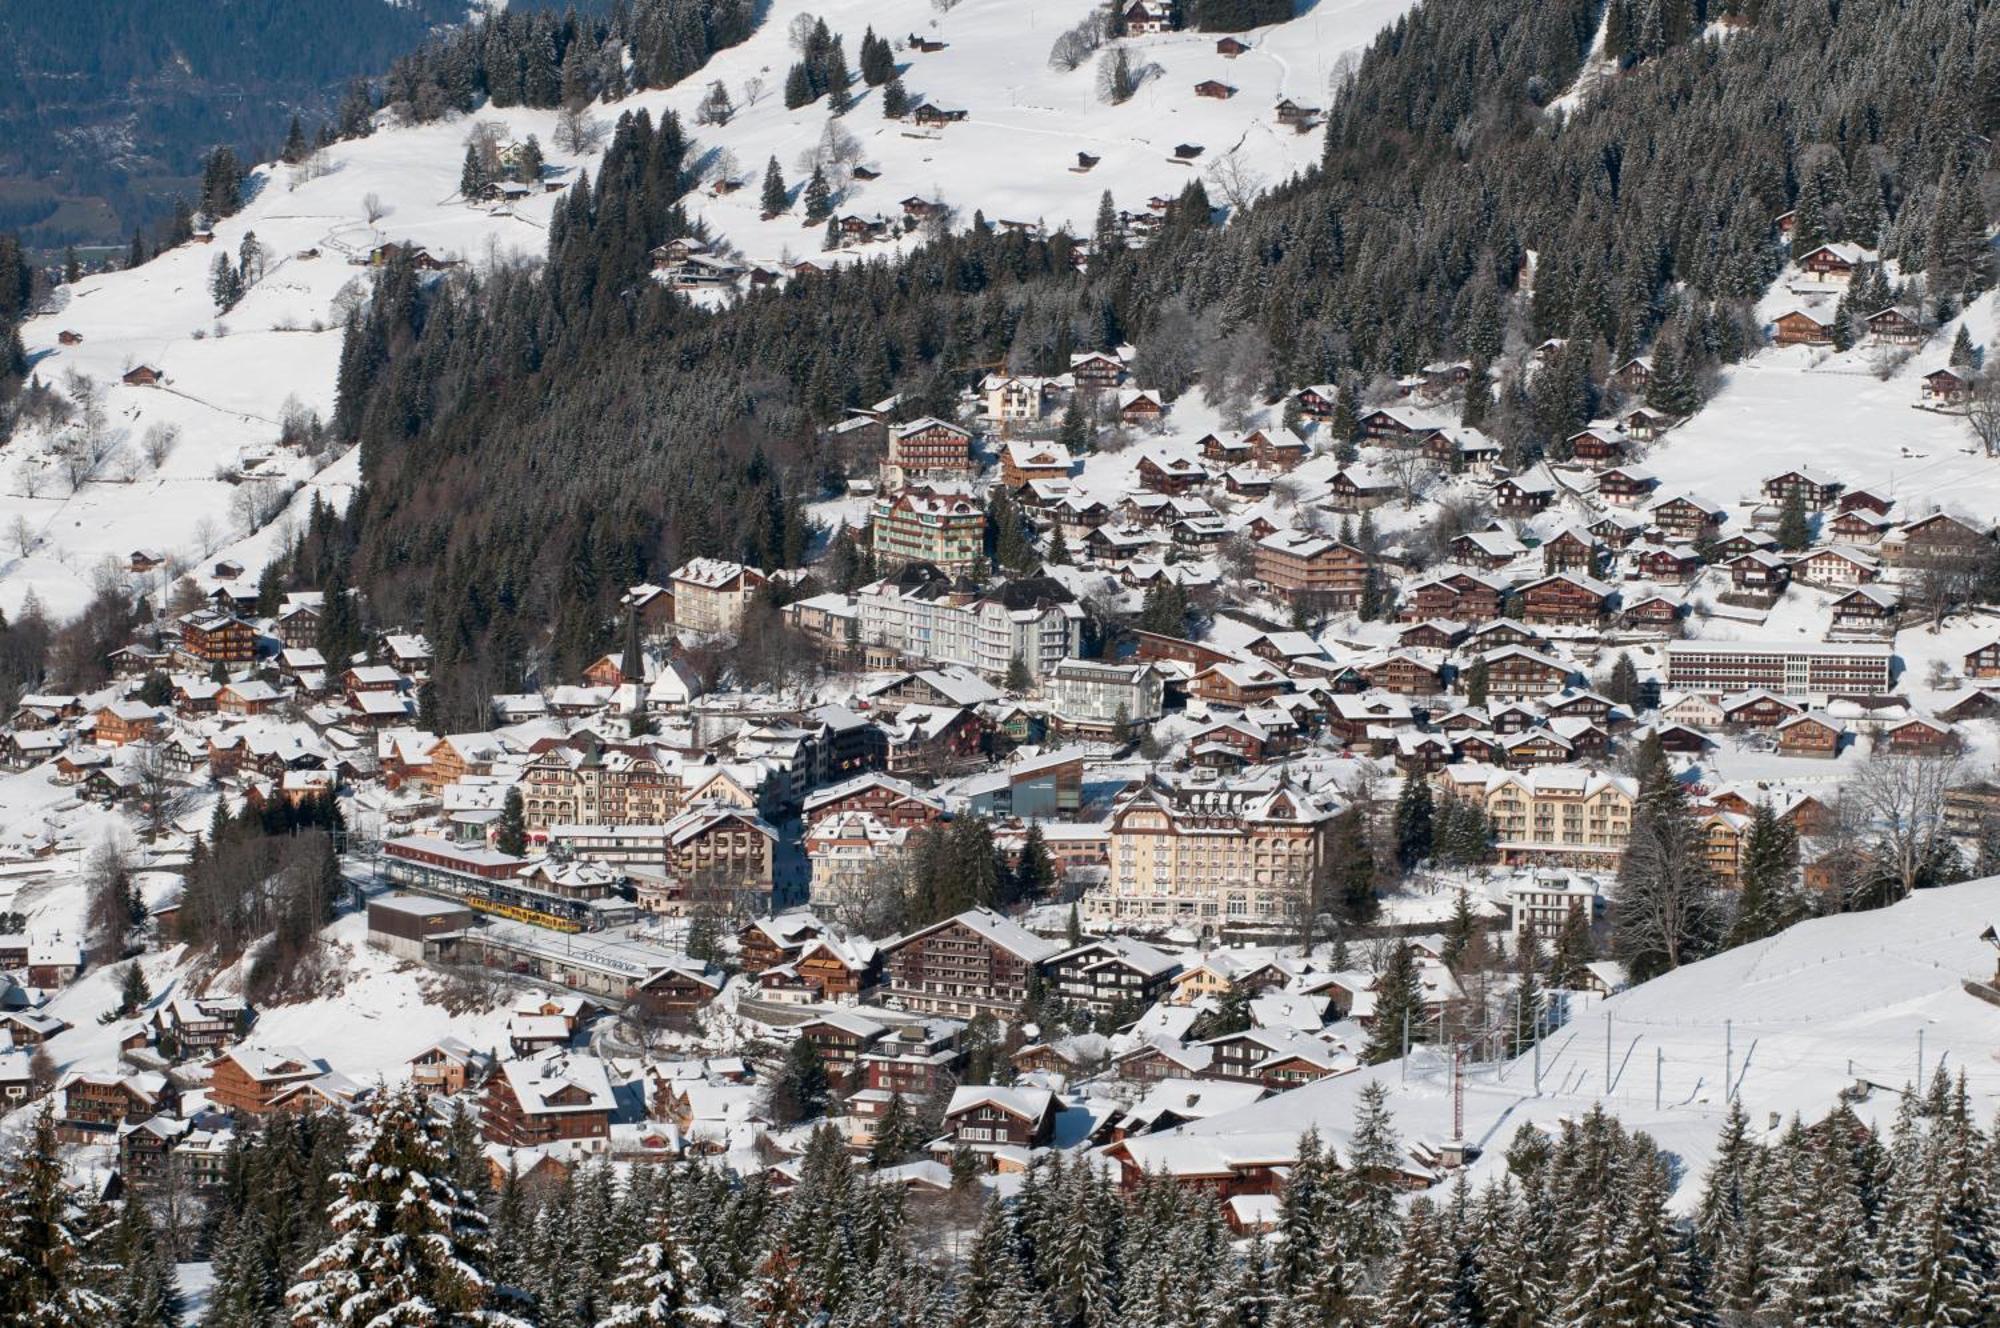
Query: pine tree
x,y
409,1247
1476,682
1964,355
651,1287
1794,533
1767,897
1421,1279
895,99
1107,237
1369,1201
142,1286
512,837
44,1279
1622,688
1352,864
776,198
818,197
1526,1026
1399,1008
798,87
473,177
1413,822
1574,952
295,149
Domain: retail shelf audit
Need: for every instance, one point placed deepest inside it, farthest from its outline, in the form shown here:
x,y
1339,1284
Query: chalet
x,y
1213,89
1096,370
1464,597
1983,662
1358,488
1599,445
448,1066
66,337
1431,634
1757,709
988,1119
1938,539
1486,549
1859,526
123,722
1671,563
1571,550
1838,565
1514,672
1644,425
1529,492
1461,451
1186,151
1813,489
1796,327
1760,574
1289,112
248,1078
1141,406
1568,598
30,1028
840,1037
1946,387
1968,704
96,1104
928,116
1406,675
974,963
1618,529
1115,973
142,375
1230,47
1634,375
558,1097
1169,474
1809,735
1385,426
1687,517
1870,608
1917,736
1834,262
1318,403
1656,612
1893,327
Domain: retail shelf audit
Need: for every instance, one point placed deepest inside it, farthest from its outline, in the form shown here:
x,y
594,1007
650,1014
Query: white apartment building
x,y
921,615
1092,695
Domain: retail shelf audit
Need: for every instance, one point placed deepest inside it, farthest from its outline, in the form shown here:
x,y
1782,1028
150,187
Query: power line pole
x,y
1659,1074
1729,1060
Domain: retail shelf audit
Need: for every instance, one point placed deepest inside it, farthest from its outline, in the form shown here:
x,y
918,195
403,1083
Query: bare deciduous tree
x,y
1982,411
158,443
1898,803
373,208
21,535
578,131
1235,179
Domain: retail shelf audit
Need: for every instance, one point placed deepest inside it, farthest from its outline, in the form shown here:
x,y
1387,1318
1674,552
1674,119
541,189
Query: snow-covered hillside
x,y
228,379
1787,1023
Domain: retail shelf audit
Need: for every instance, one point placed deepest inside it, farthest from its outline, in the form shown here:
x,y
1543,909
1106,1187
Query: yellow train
x,y
532,916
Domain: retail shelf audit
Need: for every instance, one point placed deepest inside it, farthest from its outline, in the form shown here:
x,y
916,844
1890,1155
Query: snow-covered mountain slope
x,y
228,379
1788,1023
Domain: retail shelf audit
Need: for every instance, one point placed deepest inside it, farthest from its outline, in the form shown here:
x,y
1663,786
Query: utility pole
x,y
1920,1059
1659,1074
1728,1060
1538,1067
1406,1046
1607,1054
1458,1093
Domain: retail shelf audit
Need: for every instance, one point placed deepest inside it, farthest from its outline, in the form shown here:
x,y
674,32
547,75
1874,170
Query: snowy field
x,y
1785,1024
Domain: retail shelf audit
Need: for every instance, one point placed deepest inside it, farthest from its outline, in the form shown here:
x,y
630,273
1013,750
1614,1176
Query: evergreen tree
x,y
1413,822
1526,1026
143,1285
1964,355
1352,862
1794,532
799,1090
473,176
1768,899
1622,688
818,197
1476,682
776,198
895,99
1667,905
409,1247
44,1277
1574,952
295,149
798,87
1374,1156
1399,1008
512,837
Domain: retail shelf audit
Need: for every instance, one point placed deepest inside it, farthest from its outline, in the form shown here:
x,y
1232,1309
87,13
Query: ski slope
x,y
1785,1024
